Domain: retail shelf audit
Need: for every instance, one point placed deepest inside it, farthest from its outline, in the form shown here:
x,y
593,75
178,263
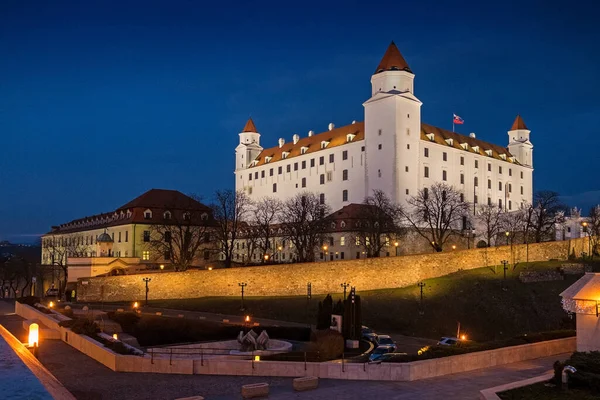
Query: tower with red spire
x,y
519,144
249,147
392,129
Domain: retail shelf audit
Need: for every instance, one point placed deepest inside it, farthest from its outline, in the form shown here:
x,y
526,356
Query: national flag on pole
x,y
458,120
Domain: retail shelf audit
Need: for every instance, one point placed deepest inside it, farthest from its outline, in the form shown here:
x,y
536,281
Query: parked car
x,y
379,351
52,292
391,356
386,340
448,341
369,334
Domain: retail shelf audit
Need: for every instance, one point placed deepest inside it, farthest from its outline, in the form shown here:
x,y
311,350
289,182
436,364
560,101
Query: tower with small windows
x,y
519,144
392,129
249,147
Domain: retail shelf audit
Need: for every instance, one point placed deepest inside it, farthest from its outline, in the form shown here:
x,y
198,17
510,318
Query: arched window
x,y
167,215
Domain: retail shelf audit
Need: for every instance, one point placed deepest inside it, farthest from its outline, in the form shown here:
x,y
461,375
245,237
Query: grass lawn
x,y
474,297
539,391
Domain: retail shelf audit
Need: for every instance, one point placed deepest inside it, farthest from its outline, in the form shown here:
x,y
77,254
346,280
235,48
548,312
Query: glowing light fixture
x,y
34,335
51,304
247,319
136,305
453,247
463,337
256,358
210,268
115,336
162,266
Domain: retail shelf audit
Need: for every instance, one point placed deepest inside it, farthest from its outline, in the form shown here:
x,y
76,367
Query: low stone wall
x,y
290,279
29,312
540,276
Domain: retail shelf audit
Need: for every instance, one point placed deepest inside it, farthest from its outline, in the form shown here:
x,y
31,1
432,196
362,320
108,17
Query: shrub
x,y
84,326
66,312
329,344
29,300
127,320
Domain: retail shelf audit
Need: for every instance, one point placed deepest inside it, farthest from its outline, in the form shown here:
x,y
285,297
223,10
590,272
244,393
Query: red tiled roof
x,y
250,127
335,137
518,124
156,200
441,135
392,60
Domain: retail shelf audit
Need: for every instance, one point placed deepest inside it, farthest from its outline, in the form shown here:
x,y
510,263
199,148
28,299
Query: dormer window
x,y
303,149
268,159
254,163
465,146
511,159
324,144
128,213
350,137
148,214
476,149
167,215
285,154
450,142
333,225
186,216
342,224
204,216
431,137
488,152
503,156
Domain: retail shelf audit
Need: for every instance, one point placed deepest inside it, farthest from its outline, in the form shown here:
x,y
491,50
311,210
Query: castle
x,y
391,150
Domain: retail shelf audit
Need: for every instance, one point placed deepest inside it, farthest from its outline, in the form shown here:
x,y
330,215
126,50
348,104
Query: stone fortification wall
x,y
291,279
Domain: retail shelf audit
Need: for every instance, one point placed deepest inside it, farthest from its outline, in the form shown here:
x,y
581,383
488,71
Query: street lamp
x,y
507,236
242,285
396,246
162,267
308,297
345,286
266,257
325,252
505,267
585,230
421,286
279,249
147,290
453,247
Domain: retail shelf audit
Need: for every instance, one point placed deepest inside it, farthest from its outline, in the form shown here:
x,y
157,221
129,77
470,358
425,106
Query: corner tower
x,y
519,144
392,129
249,147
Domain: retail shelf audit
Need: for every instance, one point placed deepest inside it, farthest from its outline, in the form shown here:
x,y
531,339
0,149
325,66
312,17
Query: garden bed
x,y
159,331
84,326
465,347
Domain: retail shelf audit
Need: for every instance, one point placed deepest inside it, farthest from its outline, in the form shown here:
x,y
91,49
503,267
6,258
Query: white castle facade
x,y
392,151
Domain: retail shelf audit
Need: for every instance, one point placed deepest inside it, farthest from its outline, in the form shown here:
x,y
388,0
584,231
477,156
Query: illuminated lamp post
x,y
507,236
266,258
421,286
162,267
147,280
279,250
396,246
325,252
242,285
585,230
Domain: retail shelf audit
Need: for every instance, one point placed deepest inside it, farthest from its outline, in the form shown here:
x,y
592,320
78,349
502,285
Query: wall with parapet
x,y
291,279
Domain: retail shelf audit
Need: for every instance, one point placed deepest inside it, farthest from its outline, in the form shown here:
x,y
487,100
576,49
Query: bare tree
x,y
514,223
594,228
436,213
264,215
490,217
229,210
377,222
546,212
182,233
304,221
59,249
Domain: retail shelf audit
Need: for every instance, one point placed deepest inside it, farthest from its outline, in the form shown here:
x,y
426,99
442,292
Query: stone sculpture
x,y
251,341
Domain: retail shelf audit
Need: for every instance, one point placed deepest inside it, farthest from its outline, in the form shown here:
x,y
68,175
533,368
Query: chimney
x,y
472,134
281,142
310,133
295,138
331,126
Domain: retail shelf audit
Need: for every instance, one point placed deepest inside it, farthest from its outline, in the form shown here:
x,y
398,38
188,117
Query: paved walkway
x,y
90,380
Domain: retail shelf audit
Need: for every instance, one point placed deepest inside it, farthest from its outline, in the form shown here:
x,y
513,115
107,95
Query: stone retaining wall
x,y
290,279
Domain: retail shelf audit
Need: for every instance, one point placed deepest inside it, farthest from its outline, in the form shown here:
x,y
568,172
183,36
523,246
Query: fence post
x,y
305,361
202,357
252,359
171,357
151,356
343,370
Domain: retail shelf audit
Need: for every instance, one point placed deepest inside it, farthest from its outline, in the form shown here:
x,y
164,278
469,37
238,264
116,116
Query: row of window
x,y
475,180
462,162
296,165
322,178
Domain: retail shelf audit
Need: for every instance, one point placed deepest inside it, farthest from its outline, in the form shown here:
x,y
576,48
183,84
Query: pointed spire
x,y
392,60
250,127
518,124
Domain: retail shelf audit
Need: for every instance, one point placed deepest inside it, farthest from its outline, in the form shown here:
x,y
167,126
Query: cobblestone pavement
x,y
88,379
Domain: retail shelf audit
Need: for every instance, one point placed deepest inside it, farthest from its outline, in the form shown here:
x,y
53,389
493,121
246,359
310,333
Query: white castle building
x,y
392,150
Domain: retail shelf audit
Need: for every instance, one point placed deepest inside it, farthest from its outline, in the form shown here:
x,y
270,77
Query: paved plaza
x,y
87,379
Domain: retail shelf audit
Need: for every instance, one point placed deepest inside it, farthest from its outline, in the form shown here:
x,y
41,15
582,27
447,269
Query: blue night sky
x,y
103,100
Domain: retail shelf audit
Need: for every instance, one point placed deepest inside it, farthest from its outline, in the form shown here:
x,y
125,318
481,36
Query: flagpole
x,y
453,124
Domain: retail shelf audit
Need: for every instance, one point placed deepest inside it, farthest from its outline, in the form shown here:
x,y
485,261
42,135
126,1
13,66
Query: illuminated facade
x,y
391,150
